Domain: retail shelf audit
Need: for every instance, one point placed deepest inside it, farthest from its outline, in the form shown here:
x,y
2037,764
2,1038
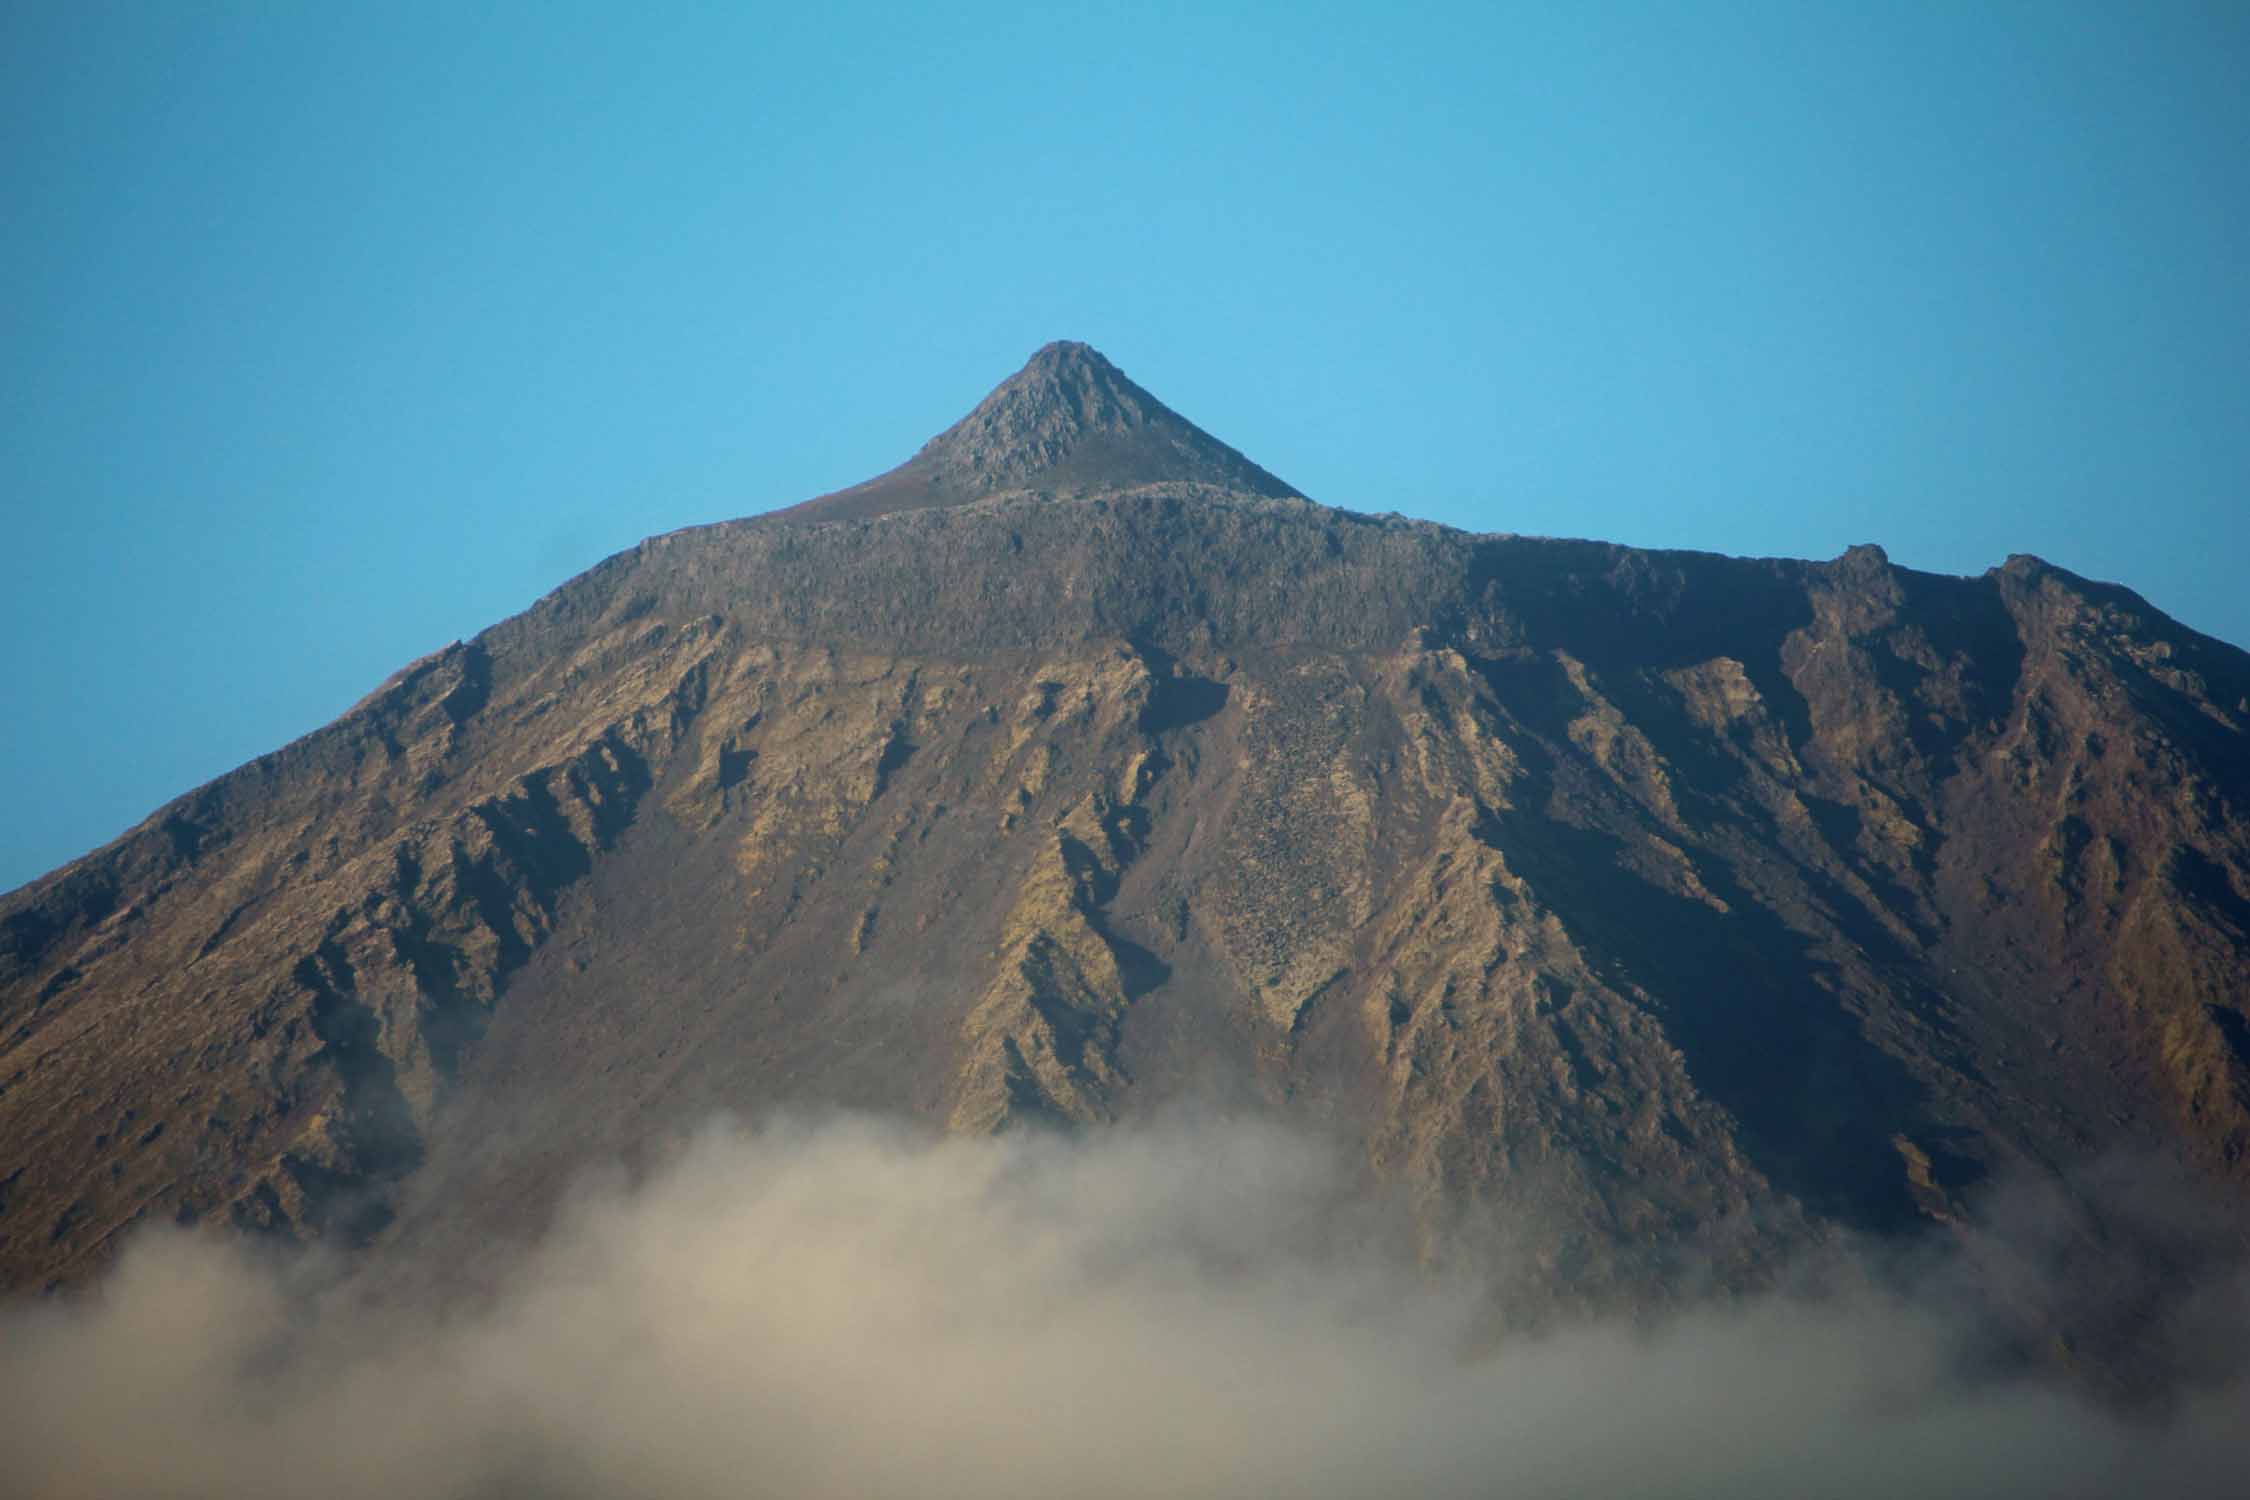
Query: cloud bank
x,y
851,1309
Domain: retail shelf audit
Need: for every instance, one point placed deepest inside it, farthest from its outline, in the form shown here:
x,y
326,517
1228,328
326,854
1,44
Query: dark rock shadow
x,y
1759,1018
1176,701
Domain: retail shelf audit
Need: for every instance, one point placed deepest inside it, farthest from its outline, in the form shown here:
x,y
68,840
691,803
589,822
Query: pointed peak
x,y
1066,359
1066,352
1065,393
1069,366
1068,423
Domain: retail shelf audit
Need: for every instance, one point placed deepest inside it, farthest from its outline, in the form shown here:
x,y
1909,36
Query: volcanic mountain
x,y
1080,769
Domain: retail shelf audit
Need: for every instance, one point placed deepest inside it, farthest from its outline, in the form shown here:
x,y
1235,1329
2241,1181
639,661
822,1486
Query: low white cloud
x,y
853,1309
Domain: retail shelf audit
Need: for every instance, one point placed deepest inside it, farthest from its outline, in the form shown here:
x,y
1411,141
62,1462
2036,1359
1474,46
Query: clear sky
x,y
332,332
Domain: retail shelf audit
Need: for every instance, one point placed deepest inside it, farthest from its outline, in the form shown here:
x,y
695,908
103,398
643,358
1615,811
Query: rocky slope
x,y
1695,906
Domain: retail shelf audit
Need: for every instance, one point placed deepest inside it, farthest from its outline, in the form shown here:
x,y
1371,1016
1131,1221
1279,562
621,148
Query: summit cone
x,y
1068,423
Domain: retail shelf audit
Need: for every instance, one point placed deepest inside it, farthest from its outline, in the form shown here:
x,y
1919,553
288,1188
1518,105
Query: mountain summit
x,y
1068,423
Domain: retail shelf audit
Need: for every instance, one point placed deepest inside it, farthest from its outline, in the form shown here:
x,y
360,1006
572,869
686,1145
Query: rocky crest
x,y
1704,905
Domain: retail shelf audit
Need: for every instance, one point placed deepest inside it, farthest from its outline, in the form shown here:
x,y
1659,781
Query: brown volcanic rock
x,y
1704,904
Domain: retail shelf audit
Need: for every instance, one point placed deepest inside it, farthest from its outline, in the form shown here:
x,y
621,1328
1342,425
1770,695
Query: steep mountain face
x,y
1695,907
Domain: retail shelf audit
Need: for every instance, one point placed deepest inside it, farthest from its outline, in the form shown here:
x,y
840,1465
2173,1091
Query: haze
x,y
850,1308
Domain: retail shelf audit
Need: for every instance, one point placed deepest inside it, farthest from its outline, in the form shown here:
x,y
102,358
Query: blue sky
x,y
330,333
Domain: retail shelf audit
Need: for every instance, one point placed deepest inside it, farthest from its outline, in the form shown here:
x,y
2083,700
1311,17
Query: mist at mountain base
x,y
846,1305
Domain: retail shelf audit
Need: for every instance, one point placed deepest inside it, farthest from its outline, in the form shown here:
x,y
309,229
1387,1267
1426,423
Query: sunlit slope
x,y
1693,905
